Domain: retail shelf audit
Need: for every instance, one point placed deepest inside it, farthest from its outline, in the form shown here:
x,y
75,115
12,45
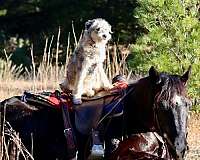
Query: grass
x,y
48,75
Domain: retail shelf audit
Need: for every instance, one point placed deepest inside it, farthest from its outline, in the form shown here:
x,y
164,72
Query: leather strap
x,y
68,130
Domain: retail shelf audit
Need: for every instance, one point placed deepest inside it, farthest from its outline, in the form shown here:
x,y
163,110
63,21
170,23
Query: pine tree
x,y
173,39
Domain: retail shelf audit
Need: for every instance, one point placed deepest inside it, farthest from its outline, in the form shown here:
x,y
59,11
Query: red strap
x,y
118,86
57,102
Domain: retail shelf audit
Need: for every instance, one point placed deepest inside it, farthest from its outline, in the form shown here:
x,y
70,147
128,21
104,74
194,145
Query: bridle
x,y
166,139
163,134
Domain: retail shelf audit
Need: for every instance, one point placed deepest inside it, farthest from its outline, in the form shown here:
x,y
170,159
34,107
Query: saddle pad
x,y
49,99
87,115
117,108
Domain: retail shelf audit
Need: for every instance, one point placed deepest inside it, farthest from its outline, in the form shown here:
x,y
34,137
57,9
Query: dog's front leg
x,y
78,88
103,78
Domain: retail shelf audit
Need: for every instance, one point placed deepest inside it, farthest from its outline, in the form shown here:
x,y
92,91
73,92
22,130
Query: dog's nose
x,y
104,36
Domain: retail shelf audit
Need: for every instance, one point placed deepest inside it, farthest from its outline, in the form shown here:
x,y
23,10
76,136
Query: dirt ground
x,y
194,137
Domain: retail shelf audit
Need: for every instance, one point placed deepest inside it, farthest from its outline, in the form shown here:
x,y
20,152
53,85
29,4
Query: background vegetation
x,y
163,33
37,36
173,39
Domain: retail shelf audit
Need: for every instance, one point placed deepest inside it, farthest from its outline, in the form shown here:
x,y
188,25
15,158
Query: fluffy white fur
x,y
85,73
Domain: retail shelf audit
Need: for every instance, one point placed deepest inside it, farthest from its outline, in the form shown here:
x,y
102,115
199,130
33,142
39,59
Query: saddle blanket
x,y
53,99
50,99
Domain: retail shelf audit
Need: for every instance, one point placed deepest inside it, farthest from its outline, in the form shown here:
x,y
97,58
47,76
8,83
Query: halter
x,y
164,135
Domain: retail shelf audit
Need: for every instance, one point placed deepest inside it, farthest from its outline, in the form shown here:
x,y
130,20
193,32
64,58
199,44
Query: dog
x,y
85,72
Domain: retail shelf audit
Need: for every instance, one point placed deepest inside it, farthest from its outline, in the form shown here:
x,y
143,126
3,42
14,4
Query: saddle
x,y
88,114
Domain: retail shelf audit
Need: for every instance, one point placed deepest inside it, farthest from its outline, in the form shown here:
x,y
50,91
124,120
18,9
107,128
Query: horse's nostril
x,y
177,144
180,144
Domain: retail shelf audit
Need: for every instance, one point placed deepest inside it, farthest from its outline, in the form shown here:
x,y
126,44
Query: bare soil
x,y
194,137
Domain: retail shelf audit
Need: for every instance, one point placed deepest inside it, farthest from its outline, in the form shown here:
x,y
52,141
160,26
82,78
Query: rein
x,y
116,104
164,135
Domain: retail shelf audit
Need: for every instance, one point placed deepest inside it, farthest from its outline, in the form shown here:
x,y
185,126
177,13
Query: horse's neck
x,y
141,114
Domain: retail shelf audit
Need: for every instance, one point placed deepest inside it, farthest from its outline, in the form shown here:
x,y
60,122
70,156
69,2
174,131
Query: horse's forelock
x,y
171,85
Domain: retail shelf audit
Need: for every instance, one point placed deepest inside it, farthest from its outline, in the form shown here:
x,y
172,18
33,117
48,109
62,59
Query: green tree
x,y
173,38
34,20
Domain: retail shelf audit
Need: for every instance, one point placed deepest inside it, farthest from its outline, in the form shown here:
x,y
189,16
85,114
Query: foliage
x,y
173,39
36,20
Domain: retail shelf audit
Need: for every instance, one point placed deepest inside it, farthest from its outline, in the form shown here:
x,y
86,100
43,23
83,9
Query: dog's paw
x,y
77,101
90,93
108,87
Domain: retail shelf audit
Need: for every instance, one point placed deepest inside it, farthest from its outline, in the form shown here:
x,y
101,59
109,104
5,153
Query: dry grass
x,y
49,75
12,147
46,77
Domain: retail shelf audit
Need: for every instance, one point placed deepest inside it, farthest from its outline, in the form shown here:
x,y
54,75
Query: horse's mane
x,y
171,84
135,80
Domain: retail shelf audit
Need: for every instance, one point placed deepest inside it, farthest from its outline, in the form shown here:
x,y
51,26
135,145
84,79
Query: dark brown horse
x,y
156,103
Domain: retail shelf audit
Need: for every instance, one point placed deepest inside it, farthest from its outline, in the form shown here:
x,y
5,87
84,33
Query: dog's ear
x,y
88,24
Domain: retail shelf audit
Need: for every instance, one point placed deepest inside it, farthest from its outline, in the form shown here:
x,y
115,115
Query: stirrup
x,y
97,151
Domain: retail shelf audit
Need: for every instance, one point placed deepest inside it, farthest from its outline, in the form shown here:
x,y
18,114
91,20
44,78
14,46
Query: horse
x,y
156,103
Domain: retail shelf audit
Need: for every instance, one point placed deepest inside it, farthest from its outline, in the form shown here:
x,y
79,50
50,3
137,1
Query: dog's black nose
x,y
104,36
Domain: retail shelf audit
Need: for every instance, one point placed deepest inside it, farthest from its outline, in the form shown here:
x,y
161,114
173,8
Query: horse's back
x,y
40,128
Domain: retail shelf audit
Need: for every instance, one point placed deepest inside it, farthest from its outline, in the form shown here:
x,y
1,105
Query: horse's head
x,y
171,108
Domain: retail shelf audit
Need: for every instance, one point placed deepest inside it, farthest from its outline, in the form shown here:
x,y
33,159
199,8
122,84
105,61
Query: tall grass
x,y
11,146
49,74
46,76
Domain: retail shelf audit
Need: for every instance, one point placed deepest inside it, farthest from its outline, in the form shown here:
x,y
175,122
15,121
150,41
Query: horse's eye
x,y
97,29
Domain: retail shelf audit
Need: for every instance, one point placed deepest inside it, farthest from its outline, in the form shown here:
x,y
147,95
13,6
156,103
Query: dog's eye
x,y
97,29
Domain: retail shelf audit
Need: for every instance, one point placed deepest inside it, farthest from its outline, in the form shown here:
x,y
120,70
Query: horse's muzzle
x,y
178,148
181,147
180,143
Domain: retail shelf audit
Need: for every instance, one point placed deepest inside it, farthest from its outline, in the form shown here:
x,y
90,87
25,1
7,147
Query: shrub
x,y
173,39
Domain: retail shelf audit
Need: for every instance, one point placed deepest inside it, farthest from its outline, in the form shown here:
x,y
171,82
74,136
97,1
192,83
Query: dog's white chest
x,y
102,53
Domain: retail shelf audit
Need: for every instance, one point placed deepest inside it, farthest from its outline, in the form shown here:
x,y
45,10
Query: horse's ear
x,y
154,75
186,75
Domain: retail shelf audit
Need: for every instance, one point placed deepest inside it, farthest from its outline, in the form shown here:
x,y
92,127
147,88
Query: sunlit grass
x,y
49,74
